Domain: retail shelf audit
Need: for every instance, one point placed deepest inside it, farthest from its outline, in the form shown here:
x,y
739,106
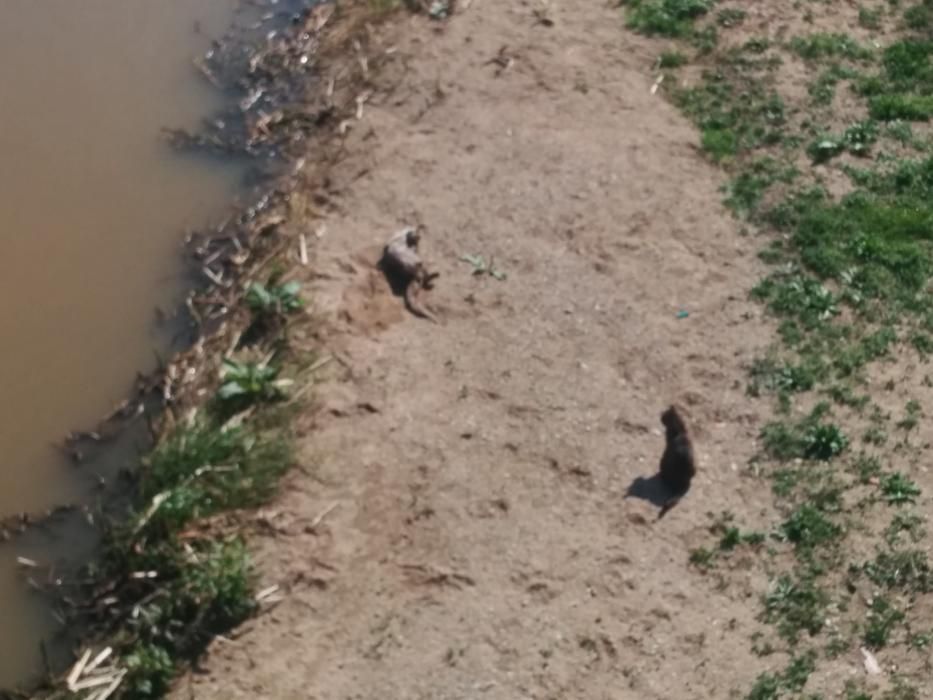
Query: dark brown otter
x,y
678,466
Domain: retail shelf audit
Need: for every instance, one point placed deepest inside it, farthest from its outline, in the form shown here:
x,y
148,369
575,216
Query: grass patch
x,y
907,570
672,59
796,605
897,489
810,438
734,112
883,617
770,686
808,528
821,45
197,585
671,18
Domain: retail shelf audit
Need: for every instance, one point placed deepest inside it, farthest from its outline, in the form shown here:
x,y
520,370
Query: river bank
x,y
172,570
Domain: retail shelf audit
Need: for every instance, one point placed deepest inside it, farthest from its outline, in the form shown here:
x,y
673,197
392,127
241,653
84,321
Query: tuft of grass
x,y
809,438
909,523
671,18
275,299
672,59
908,570
823,89
823,45
796,606
808,528
734,112
920,16
883,617
200,470
746,190
770,686
897,489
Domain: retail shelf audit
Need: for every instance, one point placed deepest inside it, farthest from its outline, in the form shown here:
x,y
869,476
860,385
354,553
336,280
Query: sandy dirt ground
x,y
458,526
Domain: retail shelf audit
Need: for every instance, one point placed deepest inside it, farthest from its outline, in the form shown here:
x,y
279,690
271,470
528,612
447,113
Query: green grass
x,y
808,527
920,16
897,489
671,18
809,438
201,470
796,604
822,90
734,113
672,59
851,267
770,686
821,46
908,570
882,619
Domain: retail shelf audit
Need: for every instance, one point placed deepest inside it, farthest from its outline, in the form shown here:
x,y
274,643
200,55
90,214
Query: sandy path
x,y
480,546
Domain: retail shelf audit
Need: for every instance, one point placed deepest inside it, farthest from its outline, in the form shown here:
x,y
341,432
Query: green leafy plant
x,y
665,17
882,618
796,606
250,381
898,489
482,267
276,299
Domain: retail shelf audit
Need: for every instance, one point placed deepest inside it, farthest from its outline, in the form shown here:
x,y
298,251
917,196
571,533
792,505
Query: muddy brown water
x,y
93,210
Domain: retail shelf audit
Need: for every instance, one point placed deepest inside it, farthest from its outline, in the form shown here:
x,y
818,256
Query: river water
x,y
93,210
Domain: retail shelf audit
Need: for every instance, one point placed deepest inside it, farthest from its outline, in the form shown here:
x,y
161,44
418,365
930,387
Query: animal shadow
x,y
656,492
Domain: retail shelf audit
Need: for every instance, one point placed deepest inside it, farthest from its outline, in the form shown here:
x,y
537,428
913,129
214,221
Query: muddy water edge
x,y
93,209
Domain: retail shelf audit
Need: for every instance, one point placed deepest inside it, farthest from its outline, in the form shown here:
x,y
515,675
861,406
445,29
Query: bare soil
x,y
459,526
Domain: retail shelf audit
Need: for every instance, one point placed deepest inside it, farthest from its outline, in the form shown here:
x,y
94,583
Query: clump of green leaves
x,y
810,438
904,569
795,606
248,382
671,59
808,527
769,686
275,299
883,617
897,489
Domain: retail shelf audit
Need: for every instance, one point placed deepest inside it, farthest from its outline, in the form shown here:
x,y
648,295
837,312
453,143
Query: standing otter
x,y
677,463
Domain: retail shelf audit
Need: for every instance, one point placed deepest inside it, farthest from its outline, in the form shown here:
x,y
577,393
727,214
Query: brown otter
x,y
678,466
402,264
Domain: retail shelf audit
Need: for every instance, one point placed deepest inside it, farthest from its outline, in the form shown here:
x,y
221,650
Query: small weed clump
x,y
907,570
883,617
897,489
796,605
672,18
810,438
770,686
820,46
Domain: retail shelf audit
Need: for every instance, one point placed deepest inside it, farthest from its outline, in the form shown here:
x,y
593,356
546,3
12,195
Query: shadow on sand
x,y
656,492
